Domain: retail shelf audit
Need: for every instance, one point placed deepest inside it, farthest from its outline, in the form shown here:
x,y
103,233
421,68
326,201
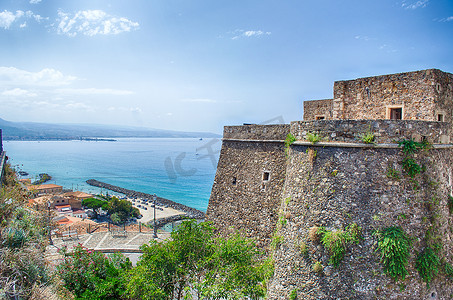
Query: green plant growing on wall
x,y
428,264
409,147
393,245
448,269
313,137
317,267
303,249
293,294
450,204
289,140
411,167
392,173
368,137
337,241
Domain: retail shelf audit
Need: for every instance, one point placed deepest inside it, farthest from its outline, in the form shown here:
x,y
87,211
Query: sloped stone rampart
x,y
340,186
240,196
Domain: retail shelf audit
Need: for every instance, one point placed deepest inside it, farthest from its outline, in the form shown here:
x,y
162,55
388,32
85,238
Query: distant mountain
x,y
45,131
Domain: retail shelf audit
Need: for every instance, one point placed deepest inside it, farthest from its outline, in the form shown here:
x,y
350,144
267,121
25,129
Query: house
x,y
45,189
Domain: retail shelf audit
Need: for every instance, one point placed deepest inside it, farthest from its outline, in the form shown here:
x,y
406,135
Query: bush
x,y
92,275
313,137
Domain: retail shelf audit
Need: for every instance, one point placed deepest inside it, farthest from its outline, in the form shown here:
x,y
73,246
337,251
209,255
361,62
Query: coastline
x,y
191,213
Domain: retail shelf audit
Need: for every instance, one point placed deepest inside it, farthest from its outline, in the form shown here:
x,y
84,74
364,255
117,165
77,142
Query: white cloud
x,y
45,77
35,1
201,100
93,22
249,33
415,5
95,91
17,92
7,18
448,19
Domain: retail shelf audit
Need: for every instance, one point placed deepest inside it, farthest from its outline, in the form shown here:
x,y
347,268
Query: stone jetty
x,y
191,213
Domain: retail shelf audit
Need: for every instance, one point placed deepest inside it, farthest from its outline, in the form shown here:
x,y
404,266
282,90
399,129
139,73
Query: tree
x,y
193,262
95,205
122,209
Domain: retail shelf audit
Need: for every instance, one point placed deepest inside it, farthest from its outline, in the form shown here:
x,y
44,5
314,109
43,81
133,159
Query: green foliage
x,y
92,275
409,147
23,236
448,269
289,140
368,137
428,264
282,221
411,167
194,262
276,241
121,210
317,267
450,204
293,294
303,249
313,137
337,241
95,205
393,245
392,173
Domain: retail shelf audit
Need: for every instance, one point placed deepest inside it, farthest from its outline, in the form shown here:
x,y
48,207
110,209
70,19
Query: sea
x,y
179,169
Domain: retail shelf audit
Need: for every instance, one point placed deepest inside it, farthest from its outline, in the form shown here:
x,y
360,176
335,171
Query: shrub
x,y
394,244
89,274
304,249
293,294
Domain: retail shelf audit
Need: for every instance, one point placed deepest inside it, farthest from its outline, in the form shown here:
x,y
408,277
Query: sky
x,y
199,65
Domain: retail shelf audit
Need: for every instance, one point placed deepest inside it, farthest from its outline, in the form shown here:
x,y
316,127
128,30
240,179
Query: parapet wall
x,y
385,131
256,132
315,109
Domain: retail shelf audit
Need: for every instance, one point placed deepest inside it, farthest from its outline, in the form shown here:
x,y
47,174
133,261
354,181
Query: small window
x,y
440,117
234,181
396,113
58,201
266,176
320,117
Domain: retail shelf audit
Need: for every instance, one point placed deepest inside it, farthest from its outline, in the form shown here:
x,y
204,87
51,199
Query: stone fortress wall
x,y
422,95
277,193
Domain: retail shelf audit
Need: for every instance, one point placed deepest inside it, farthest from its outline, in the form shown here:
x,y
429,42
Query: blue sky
x,y
199,65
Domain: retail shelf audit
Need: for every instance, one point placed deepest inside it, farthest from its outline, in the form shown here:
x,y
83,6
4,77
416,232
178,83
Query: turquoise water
x,y
177,169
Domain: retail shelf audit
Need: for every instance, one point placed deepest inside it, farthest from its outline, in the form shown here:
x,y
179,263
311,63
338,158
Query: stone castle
x,y
277,192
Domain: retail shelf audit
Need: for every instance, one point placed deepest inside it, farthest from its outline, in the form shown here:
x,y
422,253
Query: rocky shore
x,y
191,213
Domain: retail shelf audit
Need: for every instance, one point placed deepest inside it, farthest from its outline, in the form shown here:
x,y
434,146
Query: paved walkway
x,y
106,242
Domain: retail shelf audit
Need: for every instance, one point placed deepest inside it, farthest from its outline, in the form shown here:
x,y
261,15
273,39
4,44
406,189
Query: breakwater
x,y
191,213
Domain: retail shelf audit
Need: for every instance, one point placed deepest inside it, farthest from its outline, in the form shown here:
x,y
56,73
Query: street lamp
x,y
50,232
155,228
